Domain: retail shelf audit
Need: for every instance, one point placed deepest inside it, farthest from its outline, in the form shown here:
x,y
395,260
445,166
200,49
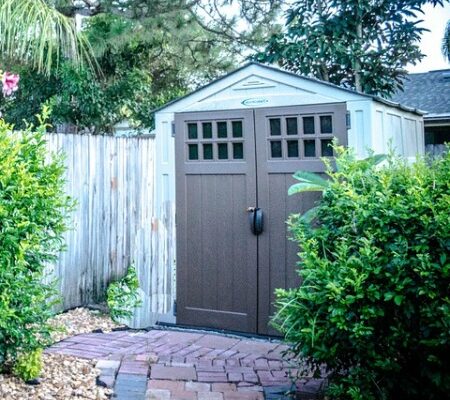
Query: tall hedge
x,y
374,303
33,215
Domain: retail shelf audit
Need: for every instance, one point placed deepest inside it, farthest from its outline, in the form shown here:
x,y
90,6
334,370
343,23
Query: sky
x,y
435,19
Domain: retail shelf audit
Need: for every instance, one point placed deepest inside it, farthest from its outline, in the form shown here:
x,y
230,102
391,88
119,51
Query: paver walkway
x,y
165,364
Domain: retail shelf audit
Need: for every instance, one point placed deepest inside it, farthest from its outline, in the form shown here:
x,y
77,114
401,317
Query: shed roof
x,y
390,103
429,91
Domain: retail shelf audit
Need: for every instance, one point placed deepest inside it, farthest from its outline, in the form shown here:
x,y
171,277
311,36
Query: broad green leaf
x,y
305,187
311,177
309,182
398,299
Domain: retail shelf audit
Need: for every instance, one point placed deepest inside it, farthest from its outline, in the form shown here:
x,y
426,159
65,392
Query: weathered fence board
x,y
112,180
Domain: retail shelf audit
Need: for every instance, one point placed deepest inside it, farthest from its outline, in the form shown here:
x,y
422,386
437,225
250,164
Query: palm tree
x,y
35,32
446,42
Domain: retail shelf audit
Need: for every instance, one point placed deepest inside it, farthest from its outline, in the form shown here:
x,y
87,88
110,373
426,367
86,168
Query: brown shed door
x,y
226,162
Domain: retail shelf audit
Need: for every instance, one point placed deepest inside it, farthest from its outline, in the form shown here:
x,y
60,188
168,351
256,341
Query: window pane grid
x,y
215,140
289,137
303,136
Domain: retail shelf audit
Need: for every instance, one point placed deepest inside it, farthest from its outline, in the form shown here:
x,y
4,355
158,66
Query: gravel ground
x,y
64,377
81,320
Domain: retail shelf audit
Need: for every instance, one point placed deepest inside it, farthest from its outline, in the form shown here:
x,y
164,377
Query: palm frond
x,y
34,32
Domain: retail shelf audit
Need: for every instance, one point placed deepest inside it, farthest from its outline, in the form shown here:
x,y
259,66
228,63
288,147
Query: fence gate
x,y
233,170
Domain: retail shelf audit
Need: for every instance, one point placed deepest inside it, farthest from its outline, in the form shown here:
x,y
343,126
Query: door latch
x,y
256,220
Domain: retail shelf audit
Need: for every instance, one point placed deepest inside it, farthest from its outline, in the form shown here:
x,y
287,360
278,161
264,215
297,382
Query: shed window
x,y
292,148
223,151
193,152
327,150
291,126
192,131
222,129
275,148
275,127
326,125
310,148
308,126
237,129
207,130
238,151
207,151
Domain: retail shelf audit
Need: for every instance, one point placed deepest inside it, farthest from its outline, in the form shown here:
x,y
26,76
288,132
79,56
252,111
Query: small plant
x,y
374,303
28,365
123,295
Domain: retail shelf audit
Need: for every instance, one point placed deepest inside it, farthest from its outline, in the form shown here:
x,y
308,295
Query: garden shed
x,y
225,155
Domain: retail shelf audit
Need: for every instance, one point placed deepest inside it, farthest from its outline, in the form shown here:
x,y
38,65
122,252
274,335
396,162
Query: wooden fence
x,y
112,180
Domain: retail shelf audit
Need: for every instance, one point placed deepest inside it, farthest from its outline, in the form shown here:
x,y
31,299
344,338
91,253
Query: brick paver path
x,y
164,364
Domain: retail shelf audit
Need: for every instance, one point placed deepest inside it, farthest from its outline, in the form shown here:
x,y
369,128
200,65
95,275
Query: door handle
x,y
256,220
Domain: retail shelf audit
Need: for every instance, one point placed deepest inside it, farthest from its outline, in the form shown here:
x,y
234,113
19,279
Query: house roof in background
x,y
428,91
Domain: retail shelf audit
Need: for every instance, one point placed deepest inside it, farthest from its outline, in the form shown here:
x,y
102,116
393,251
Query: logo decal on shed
x,y
254,101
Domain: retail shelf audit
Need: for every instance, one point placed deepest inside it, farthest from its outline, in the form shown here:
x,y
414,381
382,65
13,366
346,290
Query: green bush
x,y
29,365
374,301
123,296
33,210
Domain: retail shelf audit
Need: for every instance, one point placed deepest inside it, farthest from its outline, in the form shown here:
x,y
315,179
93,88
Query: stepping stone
x,y
173,373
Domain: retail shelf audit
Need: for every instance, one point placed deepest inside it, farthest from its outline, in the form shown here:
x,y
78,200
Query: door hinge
x,y
348,120
174,308
173,129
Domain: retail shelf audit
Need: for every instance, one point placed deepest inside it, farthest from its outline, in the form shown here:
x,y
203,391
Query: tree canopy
x,y
41,32
364,45
446,42
100,61
145,53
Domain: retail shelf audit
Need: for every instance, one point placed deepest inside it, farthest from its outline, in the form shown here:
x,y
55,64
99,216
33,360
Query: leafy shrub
x,y
374,301
33,210
29,365
123,295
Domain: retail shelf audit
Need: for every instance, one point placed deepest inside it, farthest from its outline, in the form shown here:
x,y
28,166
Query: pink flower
x,y
10,83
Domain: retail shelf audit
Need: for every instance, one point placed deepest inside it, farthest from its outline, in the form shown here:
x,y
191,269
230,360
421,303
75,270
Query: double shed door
x,y
227,163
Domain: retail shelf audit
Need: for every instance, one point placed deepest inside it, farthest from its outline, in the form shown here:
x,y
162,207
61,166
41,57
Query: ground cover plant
x,y
123,296
374,301
33,218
